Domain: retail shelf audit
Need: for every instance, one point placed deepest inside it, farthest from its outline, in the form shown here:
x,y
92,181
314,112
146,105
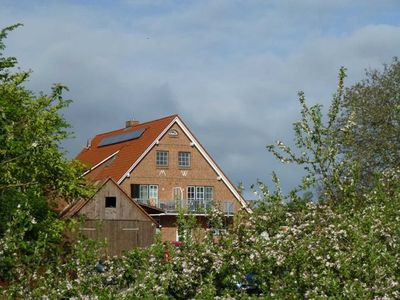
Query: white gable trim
x,y
195,143
100,163
155,142
213,165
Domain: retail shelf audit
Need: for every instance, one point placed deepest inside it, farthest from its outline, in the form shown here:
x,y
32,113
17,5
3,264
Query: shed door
x,y
127,237
121,235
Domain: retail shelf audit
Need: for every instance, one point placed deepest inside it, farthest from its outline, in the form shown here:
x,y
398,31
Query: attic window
x,y
173,133
111,202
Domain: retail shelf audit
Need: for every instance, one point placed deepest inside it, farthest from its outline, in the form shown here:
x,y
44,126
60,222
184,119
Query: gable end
x,y
194,142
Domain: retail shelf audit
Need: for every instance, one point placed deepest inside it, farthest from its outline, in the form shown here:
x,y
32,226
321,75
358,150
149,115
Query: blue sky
x,y
231,69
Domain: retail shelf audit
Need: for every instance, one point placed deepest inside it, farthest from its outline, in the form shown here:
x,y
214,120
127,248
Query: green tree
x,y
33,169
317,140
370,114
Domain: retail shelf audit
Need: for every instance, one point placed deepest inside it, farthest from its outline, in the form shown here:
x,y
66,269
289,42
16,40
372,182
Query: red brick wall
x,y
199,173
168,228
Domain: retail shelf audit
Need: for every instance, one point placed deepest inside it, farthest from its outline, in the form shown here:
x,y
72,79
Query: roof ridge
x,y
140,124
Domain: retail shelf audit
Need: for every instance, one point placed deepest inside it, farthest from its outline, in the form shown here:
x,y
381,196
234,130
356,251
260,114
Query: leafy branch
x,y
319,145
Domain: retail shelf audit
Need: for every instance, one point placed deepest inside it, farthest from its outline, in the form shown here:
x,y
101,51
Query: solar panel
x,y
123,137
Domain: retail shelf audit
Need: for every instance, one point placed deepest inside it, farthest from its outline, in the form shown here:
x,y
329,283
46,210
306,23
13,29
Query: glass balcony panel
x,y
193,206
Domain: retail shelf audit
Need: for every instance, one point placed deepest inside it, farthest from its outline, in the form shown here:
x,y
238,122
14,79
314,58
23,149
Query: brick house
x,y
161,165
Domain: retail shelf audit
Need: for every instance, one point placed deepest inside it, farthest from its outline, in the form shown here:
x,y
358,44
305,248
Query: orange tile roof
x,y
129,151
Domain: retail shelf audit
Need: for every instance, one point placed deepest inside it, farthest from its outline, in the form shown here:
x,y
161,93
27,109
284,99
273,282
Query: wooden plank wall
x,y
121,235
125,208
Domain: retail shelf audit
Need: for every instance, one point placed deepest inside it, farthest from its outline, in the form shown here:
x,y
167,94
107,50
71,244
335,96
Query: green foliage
x,y
370,115
32,167
6,62
34,177
347,250
45,265
339,249
318,140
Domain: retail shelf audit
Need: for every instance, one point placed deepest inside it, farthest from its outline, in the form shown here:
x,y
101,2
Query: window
x,y
162,158
173,133
228,208
153,192
145,193
177,193
191,193
200,193
200,197
208,193
135,191
184,159
111,202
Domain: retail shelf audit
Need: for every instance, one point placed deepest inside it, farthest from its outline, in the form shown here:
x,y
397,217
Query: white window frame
x,y
153,195
177,193
153,191
200,193
148,192
184,159
162,157
200,196
144,192
191,193
229,208
209,193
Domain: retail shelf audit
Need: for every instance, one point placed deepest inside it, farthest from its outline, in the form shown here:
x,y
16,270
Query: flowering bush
x,y
340,250
301,250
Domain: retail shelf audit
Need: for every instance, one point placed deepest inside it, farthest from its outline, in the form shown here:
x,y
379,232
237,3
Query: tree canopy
x,y
359,140
32,167
370,113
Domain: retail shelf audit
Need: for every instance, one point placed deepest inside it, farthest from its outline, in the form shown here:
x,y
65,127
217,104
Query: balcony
x,y
186,205
149,202
193,206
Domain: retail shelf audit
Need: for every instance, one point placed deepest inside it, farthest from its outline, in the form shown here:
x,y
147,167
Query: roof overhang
x,y
100,163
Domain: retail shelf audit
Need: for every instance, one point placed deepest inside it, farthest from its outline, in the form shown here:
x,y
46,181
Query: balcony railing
x,y
186,205
149,202
195,206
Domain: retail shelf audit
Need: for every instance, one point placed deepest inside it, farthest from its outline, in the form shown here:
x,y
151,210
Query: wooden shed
x,y
113,216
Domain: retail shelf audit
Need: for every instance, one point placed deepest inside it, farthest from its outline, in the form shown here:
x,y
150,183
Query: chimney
x,y
88,143
131,123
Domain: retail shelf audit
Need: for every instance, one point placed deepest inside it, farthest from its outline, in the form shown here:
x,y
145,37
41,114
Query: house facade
x,y
162,166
